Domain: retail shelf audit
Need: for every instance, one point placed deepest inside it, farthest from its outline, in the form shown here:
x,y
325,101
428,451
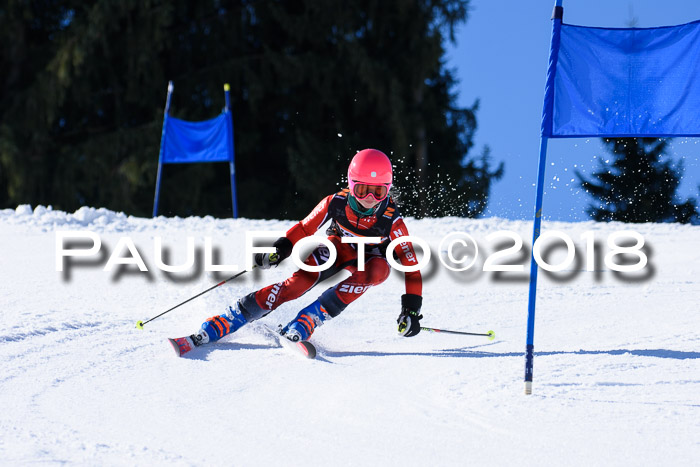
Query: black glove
x,y
284,248
409,319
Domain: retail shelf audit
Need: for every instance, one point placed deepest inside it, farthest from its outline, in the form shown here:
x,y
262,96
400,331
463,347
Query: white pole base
x,y
528,387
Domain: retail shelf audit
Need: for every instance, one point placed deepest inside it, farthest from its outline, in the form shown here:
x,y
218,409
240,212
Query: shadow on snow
x,y
463,352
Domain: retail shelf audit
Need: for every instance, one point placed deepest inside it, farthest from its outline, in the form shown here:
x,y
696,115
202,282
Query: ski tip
x,y
492,335
182,345
176,347
139,325
307,348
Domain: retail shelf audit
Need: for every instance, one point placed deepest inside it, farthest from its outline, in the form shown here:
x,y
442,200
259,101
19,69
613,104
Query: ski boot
x,y
212,330
308,319
217,327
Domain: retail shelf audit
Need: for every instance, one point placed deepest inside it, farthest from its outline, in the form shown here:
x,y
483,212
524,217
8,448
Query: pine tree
x,y
82,95
638,185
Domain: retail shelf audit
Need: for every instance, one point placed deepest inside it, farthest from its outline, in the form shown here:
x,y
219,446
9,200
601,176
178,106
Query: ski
x,y
183,345
304,348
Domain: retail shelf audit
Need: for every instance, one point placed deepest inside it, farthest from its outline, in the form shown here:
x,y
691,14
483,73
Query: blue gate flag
x,y
188,142
612,82
205,141
629,82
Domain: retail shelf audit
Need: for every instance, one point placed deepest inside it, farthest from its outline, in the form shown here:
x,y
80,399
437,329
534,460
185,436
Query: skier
x,y
365,209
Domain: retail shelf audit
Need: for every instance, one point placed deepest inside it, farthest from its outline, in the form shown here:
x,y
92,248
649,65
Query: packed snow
x,y
616,374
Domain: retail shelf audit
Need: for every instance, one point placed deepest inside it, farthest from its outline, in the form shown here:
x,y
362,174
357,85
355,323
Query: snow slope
x,y
617,365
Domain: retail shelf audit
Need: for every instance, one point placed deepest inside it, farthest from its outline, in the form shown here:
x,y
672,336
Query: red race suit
x,y
385,223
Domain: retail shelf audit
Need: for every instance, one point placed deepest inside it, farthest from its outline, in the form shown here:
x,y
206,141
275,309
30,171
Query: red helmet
x,y
370,173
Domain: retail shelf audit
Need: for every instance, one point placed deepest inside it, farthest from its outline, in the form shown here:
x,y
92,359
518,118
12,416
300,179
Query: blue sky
x,y
501,58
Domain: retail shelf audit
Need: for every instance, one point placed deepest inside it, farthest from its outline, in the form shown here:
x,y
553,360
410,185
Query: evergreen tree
x,y
82,97
639,185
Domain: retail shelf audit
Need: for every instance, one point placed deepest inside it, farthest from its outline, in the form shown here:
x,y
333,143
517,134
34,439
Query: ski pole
x,y
139,324
491,335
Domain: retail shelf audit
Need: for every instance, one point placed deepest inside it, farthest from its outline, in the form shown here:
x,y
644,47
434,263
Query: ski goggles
x,y
362,191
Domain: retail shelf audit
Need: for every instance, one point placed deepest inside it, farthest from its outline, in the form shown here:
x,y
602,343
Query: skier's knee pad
x,y
250,309
331,302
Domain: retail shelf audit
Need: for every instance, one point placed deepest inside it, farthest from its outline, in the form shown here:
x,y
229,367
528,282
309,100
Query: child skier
x,y
363,210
